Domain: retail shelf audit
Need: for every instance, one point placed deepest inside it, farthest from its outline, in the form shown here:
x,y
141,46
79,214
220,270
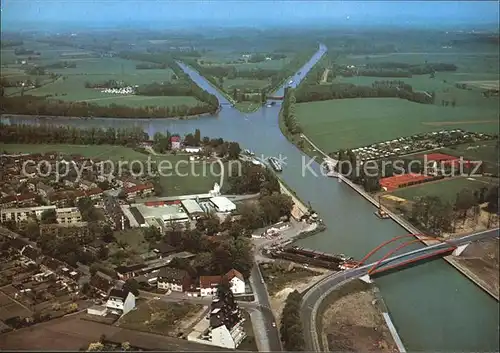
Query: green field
x,y
71,87
247,107
243,83
486,151
446,189
180,176
349,123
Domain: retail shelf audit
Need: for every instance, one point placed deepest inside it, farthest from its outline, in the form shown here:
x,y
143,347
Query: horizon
x,y
178,14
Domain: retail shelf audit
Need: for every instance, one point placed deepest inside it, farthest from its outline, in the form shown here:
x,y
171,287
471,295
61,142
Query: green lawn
x,y
247,107
486,151
446,189
133,238
350,123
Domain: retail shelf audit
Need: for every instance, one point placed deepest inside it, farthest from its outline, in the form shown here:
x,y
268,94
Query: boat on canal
x,y
275,164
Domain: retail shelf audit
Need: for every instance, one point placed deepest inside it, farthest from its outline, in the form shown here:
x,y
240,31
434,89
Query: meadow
x,y
243,83
350,123
446,189
89,68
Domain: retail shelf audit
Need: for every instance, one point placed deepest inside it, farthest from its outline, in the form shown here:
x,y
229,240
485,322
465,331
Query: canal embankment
x,y
355,319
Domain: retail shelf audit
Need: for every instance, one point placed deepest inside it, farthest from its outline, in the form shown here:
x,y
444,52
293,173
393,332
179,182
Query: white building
x,y
192,149
209,284
68,215
23,214
120,301
98,310
236,282
222,204
173,279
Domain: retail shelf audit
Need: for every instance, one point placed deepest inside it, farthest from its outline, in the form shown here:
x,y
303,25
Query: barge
x,y
275,164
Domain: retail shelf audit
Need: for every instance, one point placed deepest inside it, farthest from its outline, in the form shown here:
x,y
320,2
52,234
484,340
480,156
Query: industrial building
x,y
222,204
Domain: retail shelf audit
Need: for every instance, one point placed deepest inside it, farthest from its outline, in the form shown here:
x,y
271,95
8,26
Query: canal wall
x,y
417,234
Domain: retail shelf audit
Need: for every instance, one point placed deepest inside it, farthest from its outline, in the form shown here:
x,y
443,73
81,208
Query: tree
x,y
234,150
107,234
197,137
49,217
464,201
132,286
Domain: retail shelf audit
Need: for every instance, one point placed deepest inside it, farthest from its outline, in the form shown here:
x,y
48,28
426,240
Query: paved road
x,y
320,290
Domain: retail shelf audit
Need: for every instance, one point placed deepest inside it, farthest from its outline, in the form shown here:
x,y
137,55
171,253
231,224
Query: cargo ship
x,y
275,164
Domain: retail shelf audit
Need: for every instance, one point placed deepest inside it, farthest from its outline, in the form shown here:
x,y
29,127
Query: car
x,y
262,281
274,324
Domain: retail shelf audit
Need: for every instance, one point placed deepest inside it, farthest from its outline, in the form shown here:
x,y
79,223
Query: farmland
x,y
349,123
446,189
90,68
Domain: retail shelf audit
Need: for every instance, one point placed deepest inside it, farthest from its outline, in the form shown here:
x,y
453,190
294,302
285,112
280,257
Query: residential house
x,y
23,214
102,281
120,301
164,249
126,272
175,142
44,190
236,281
139,190
226,323
69,215
87,185
94,193
173,279
209,284
191,149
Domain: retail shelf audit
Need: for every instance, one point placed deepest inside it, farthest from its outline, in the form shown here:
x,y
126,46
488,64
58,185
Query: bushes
x,y
291,330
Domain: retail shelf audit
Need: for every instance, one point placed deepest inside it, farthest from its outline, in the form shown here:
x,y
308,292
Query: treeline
x,y
106,84
54,134
150,66
10,43
288,112
183,79
349,167
62,65
23,51
310,93
395,69
291,329
437,216
31,105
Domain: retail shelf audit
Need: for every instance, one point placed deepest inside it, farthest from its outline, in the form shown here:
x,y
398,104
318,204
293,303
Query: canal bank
x,y
433,307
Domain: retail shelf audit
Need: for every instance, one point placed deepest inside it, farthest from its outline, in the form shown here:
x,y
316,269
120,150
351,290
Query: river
x,y
432,305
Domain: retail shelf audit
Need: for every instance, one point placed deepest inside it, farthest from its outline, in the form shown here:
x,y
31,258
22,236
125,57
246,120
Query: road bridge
x,y
318,292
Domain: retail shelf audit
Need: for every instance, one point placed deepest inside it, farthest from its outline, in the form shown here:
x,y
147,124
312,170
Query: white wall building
x,y
23,214
120,301
222,204
236,282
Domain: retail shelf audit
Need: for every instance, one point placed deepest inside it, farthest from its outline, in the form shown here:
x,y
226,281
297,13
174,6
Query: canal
x,y
433,306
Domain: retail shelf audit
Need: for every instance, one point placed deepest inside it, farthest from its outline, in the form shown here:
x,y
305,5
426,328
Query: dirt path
x,y
278,300
325,76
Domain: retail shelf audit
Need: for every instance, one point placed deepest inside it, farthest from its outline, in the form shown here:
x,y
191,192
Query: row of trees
x,y
288,112
24,51
106,84
62,65
183,79
224,149
150,66
291,329
438,215
309,93
10,43
25,133
34,105
394,69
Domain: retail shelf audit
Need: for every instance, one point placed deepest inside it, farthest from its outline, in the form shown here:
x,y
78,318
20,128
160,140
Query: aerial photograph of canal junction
x,y
249,176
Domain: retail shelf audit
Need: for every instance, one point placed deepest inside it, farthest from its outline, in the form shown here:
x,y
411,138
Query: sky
x,y
247,12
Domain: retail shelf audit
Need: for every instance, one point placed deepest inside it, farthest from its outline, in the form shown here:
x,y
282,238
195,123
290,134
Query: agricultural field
x,y
350,123
446,189
486,151
89,68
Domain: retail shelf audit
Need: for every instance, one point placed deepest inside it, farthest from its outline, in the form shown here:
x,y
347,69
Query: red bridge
x,y
376,267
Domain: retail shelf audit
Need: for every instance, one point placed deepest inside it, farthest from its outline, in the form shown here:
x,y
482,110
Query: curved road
x,y
313,297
